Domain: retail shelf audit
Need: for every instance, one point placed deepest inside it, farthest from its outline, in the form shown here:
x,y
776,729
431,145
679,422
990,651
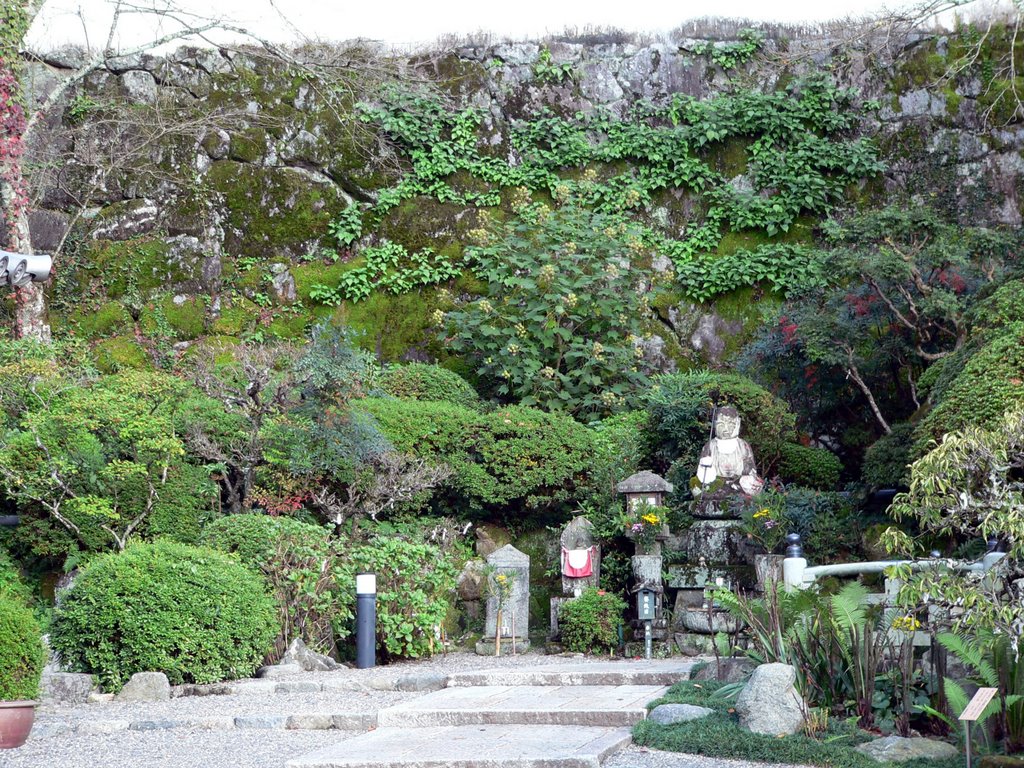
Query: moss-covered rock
x,y
273,213
179,317
237,318
109,320
120,353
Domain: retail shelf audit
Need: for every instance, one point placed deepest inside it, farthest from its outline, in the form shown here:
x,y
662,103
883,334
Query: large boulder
x,y
65,687
769,702
146,686
898,749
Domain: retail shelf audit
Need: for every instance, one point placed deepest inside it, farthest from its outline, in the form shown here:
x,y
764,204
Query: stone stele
x,y
510,561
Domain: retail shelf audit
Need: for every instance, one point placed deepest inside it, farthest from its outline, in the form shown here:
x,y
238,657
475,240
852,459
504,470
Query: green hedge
x,y
886,460
512,460
197,615
21,650
420,381
809,467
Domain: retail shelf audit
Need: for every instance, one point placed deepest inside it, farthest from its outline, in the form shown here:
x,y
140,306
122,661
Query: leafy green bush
x,y
826,521
887,460
809,467
415,591
21,650
590,623
197,615
560,321
11,584
513,458
297,560
420,381
680,407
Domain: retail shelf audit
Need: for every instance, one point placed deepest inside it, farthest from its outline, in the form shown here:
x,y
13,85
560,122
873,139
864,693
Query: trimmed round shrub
x,y
197,615
421,381
297,560
21,651
990,383
886,460
590,623
809,467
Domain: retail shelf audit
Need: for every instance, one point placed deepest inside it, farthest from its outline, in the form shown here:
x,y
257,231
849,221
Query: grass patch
x,y
720,735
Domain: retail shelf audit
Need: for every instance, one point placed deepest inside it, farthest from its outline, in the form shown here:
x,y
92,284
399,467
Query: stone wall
x,y
191,194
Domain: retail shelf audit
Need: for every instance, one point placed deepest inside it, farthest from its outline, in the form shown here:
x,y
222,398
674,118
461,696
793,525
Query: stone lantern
x,y
644,488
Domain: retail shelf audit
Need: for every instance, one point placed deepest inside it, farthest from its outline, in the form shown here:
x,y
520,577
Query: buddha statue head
x,y
727,423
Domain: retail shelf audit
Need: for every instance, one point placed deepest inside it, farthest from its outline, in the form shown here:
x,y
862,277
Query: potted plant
x,y
21,665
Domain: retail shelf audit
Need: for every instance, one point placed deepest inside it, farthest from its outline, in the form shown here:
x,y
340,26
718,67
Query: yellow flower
x,y
906,623
651,518
762,513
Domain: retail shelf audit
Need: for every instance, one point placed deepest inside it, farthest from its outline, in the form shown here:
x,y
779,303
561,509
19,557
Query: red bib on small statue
x,y
577,563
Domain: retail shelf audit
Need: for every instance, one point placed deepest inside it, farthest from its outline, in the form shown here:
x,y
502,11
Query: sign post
x,y
973,711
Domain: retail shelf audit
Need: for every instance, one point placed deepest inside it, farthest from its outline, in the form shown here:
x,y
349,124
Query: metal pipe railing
x,y
796,574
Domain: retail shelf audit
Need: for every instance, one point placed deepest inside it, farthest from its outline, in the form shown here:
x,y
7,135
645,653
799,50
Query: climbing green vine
x,y
792,152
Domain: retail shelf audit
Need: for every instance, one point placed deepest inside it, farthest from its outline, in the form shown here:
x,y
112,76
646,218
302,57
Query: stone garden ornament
x,y
728,457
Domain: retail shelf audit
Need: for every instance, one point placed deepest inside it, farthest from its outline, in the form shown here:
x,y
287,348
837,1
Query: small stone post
x,y
516,611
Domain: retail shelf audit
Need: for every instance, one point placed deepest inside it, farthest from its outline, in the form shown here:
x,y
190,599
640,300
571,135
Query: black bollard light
x,y
366,620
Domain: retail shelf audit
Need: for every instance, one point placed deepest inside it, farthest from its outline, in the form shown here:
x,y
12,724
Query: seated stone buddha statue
x,y
728,457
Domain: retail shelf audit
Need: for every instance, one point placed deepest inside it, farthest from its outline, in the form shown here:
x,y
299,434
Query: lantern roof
x,y
645,482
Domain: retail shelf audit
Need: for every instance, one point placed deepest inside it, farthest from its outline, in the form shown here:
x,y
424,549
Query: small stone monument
x,y
648,488
580,564
515,609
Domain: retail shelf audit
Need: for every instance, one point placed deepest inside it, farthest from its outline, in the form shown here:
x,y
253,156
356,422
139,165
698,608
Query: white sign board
x,y
977,705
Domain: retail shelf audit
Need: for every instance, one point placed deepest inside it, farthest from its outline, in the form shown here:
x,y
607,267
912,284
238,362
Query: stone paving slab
x,y
625,672
579,705
489,746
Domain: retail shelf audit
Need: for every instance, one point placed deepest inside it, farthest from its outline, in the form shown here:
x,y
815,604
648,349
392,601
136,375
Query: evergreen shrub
x,y
809,467
297,560
590,623
197,615
21,650
421,381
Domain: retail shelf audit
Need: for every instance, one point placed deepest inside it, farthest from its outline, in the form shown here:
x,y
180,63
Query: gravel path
x,y
265,747
178,748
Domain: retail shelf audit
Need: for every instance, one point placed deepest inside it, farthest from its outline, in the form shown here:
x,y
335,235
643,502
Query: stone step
x,y
581,705
476,746
626,672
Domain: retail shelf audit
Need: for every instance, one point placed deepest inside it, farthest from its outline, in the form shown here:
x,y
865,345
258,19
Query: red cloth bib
x,y
577,563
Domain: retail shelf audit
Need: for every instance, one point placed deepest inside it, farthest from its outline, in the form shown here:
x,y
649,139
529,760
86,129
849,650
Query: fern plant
x,y
995,664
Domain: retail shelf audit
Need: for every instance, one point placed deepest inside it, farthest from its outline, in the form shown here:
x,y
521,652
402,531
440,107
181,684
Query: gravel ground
x,y
267,748
178,748
189,707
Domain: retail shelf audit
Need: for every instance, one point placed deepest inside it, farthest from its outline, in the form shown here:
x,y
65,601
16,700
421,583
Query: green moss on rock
x,y
273,212
120,353
109,320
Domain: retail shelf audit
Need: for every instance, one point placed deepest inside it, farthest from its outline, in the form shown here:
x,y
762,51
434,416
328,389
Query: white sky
x,y
402,22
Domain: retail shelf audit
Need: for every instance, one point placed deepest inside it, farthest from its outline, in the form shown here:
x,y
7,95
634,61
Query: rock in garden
x,y
279,671
146,686
670,714
898,749
769,702
65,688
726,670
309,660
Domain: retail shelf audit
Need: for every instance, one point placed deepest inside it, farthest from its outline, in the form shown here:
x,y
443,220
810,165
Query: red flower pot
x,y
15,722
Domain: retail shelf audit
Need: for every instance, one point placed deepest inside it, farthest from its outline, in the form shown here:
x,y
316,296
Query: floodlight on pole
x,y
20,269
